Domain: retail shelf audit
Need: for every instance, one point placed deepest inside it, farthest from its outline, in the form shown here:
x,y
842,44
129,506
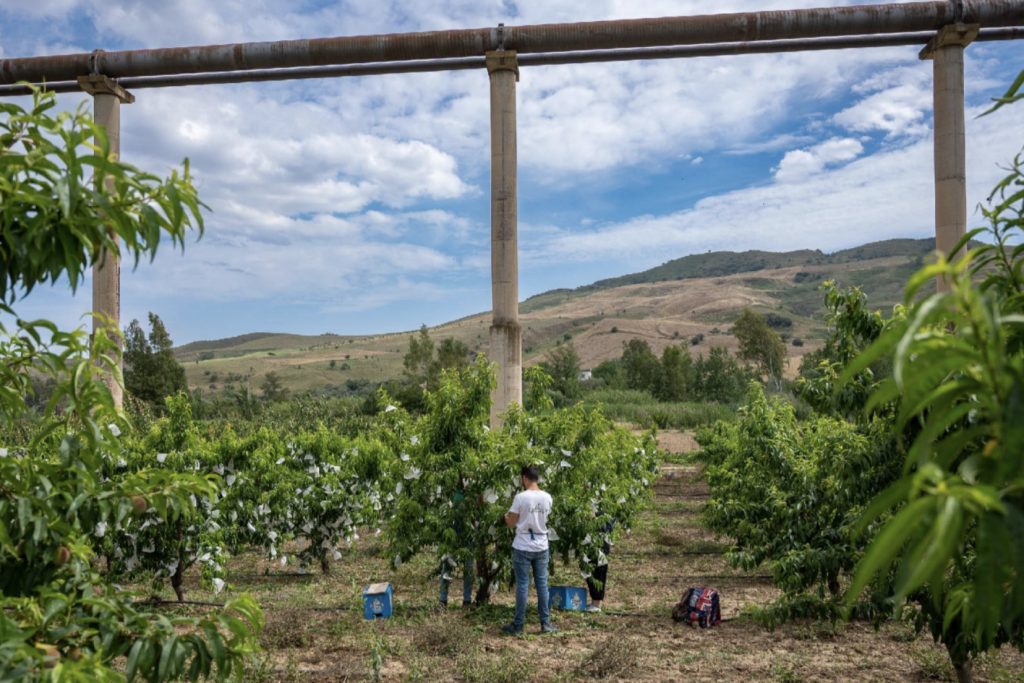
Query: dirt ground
x,y
315,630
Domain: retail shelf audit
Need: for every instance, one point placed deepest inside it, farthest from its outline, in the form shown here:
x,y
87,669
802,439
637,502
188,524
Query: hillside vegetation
x,y
701,294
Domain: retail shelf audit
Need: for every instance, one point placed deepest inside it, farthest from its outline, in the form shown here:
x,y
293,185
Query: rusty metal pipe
x,y
542,59
597,35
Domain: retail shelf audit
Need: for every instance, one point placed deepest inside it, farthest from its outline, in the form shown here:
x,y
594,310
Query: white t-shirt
x,y
533,508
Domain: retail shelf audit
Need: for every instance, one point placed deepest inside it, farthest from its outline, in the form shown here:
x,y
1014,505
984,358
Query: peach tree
x,y
59,619
454,478
949,529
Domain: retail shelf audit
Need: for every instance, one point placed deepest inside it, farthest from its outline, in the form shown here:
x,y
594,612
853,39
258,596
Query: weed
x,y
904,634
506,668
818,630
259,669
615,656
784,673
286,632
376,658
443,639
933,664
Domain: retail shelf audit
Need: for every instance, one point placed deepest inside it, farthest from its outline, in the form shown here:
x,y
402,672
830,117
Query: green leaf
x,y
887,545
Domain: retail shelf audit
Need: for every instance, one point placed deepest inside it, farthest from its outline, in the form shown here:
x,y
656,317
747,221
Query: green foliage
x,y
760,345
640,408
455,478
612,373
151,373
272,388
59,499
641,366
536,390
1012,94
65,200
423,368
676,378
852,327
952,541
789,493
562,364
719,377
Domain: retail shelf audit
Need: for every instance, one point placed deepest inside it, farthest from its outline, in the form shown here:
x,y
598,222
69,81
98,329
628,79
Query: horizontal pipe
x,y
464,63
597,35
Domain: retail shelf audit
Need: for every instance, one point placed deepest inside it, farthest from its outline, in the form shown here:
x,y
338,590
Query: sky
x,y
361,205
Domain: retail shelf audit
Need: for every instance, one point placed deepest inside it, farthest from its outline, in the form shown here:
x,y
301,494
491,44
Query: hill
x,y
691,300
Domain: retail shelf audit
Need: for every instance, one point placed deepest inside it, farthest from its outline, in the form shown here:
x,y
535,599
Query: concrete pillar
x,y
107,97
506,334
946,50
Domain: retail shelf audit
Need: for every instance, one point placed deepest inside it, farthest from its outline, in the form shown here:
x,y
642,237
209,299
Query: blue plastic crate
x,y
377,601
568,598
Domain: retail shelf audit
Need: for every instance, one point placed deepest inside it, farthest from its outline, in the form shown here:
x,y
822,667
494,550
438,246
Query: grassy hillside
x,y
671,304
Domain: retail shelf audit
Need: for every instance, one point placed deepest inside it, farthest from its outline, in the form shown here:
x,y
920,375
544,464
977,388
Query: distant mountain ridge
x,y
720,263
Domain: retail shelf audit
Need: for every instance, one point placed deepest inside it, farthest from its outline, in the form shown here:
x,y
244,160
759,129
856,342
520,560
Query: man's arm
x,y
512,516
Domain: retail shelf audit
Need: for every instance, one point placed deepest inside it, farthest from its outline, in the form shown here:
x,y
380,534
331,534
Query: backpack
x,y
698,607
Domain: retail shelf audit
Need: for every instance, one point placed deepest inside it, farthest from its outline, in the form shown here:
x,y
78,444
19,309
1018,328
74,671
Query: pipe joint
x,y
96,62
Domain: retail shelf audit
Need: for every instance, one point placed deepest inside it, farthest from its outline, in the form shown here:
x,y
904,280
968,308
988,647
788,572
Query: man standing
x,y
529,517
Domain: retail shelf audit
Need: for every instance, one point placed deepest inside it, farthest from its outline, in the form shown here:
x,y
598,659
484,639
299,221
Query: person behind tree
x,y
447,563
596,584
528,516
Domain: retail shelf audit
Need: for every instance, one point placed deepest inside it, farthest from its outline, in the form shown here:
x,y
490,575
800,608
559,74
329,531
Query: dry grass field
x,y
315,630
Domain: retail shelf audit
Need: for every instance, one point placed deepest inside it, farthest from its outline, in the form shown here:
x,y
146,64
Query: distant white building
x,y
586,375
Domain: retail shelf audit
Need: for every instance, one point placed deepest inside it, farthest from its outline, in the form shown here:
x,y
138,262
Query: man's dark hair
x,y
530,472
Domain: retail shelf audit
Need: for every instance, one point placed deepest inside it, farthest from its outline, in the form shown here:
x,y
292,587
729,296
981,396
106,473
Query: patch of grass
x,y
639,407
904,634
818,630
286,631
508,667
614,656
785,673
444,638
933,664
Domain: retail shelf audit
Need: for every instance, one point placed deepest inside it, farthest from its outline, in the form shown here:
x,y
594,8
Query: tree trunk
x,y
961,661
325,564
833,585
483,594
964,673
176,578
483,574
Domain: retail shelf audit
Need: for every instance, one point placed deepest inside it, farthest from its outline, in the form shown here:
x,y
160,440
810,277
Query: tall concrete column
x,y
506,334
946,50
107,97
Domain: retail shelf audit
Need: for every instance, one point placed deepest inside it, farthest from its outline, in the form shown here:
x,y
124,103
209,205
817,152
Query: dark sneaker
x,y
548,629
511,630
467,603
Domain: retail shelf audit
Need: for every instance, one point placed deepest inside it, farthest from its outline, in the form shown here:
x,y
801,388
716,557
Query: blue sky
x,y
360,205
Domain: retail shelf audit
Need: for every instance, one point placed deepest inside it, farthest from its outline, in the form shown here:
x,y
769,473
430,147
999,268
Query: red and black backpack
x,y
698,607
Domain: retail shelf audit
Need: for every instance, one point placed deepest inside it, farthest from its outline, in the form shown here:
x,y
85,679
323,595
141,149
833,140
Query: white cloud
x,y
800,164
898,105
888,194
294,157
41,8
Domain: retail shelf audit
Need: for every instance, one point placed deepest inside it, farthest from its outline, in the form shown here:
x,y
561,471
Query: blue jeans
x,y
467,582
522,562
